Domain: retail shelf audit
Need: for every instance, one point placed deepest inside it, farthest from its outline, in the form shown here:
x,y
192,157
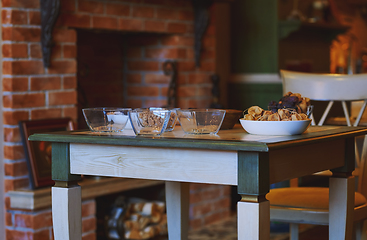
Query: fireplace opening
x,y
119,69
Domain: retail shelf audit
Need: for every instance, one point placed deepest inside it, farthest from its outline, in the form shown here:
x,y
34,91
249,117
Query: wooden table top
x,y
233,139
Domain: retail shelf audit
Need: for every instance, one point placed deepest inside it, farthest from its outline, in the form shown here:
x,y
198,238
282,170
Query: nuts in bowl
x,y
289,116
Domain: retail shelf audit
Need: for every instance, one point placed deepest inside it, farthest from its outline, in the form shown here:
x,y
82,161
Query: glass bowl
x,y
106,119
201,121
172,119
149,121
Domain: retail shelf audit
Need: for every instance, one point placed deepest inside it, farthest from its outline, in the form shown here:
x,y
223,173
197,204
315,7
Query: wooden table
x,y
233,157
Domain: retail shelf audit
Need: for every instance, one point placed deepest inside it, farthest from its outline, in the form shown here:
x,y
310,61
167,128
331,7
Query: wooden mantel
x,y
91,188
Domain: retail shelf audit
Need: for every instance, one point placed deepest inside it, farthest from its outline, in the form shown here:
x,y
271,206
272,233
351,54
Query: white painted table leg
x,y
66,213
177,203
341,208
253,220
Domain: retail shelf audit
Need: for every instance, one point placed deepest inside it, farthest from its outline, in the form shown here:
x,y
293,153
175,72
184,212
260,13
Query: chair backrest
x,y
326,87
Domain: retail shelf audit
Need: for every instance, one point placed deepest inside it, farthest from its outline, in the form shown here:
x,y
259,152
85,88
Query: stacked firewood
x,y
144,220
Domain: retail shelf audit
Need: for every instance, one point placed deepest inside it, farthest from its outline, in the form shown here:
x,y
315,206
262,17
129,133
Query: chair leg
x,y
293,231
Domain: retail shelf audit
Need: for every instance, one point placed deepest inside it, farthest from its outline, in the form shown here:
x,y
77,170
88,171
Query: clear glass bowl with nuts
x,y
172,119
149,121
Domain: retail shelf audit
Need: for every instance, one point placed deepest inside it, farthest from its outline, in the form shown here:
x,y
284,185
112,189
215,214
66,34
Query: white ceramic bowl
x,y
106,119
275,127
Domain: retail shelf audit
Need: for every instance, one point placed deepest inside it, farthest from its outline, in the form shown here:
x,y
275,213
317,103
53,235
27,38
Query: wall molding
x,y
261,78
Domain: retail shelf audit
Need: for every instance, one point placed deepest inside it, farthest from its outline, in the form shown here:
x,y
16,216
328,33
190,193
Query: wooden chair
x,y
309,205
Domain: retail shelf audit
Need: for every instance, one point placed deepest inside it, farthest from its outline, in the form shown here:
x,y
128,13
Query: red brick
x,y
210,31
186,15
143,66
130,24
104,22
196,78
88,208
165,53
15,234
46,113
207,66
143,91
21,4
89,236
62,98
133,78
13,152
208,42
155,26
196,224
67,6
16,169
71,112
155,102
14,184
134,52
90,6
56,52
11,16
177,27
15,84
176,40
23,67
13,117
42,220
74,20
183,66
43,234
45,83
34,18
64,35
134,103
204,91
167,13
143,12
151,78
208,54
201,209
12,135
62,67
89,224
19,50
187,91
69,51
21,34
182,78
69,82
36,51
24,100
118,9
8,219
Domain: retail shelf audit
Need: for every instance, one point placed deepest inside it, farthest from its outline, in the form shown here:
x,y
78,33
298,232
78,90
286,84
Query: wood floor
x,y
227,230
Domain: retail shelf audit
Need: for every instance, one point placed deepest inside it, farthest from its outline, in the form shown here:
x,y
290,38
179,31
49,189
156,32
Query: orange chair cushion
x,y
305,197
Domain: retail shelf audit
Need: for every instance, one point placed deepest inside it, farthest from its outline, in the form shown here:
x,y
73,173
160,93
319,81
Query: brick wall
x,y
32,92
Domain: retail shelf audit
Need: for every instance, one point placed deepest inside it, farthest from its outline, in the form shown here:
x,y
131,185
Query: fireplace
x,y
116,47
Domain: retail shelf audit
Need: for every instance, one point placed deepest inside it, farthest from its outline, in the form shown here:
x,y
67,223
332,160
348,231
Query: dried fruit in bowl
x,y
291,107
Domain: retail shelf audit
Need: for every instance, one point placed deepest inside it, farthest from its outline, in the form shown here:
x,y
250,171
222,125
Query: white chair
x,y
309,205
